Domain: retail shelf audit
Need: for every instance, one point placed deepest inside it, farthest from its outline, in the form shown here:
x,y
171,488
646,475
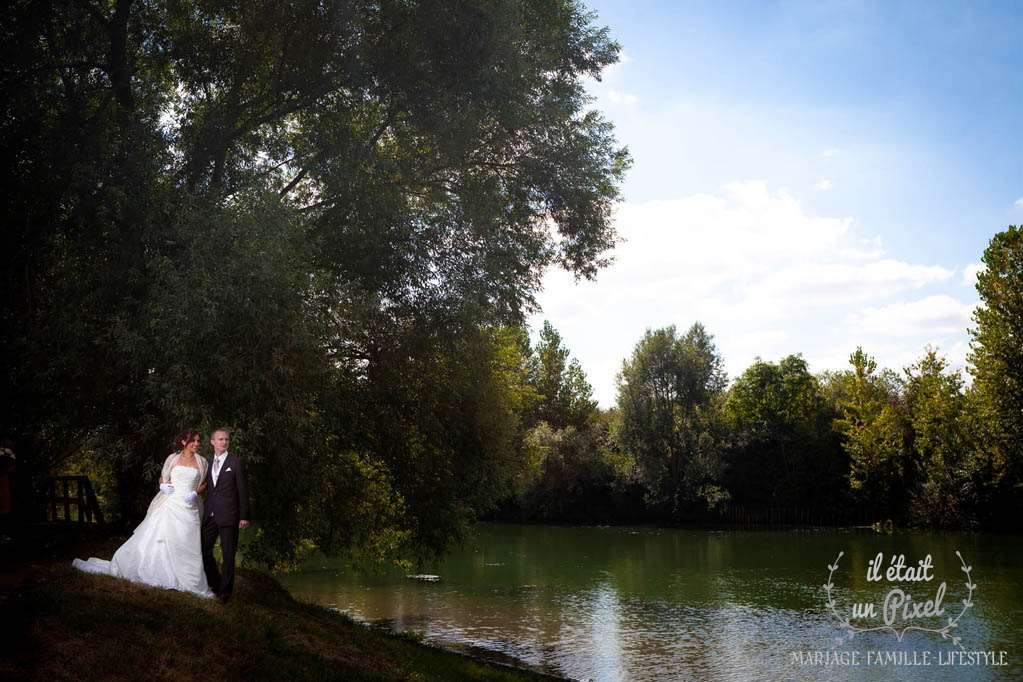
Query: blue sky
x,y
808,177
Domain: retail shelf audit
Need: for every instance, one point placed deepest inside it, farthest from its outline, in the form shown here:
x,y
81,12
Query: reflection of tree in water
x,y
635,602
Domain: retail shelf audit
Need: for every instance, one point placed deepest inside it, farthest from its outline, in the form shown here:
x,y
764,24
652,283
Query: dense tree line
x,y
918,446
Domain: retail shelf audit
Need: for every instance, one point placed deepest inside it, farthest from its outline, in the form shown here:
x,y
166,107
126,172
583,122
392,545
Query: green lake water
x,y
645,603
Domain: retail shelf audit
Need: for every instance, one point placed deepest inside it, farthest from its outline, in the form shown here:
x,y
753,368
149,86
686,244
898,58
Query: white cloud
x,y
703,244
829,153
621,97
766,278
863,248
1018,203
611,71
822,186
970,273
806,286
927,316
608,86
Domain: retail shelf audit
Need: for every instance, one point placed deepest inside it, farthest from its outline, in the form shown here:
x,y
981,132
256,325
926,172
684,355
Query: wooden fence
x,y
59,498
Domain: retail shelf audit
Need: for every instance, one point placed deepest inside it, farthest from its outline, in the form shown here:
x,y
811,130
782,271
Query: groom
x,y
226,512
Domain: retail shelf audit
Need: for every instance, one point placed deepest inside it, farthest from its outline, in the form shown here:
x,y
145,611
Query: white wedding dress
x,y
165,550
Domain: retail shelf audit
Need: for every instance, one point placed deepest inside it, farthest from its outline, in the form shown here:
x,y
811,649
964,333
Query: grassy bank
x,y
62,624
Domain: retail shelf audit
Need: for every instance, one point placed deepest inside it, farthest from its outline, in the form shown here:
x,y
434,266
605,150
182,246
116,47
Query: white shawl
x,y
165,475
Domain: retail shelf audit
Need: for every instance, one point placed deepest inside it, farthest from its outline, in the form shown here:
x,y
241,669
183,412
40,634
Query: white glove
x,y
190,497
166,488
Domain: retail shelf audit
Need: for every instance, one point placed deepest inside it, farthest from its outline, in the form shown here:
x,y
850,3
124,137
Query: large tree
x,y
668,403
782,450
946,492
296,218
997,358
569,438
877,436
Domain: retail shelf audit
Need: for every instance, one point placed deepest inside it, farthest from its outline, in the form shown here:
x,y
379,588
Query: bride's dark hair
x,y
185,436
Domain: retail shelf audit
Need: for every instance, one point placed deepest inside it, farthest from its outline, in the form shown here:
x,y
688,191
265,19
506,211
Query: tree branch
x,y
384,125
120,76
295,181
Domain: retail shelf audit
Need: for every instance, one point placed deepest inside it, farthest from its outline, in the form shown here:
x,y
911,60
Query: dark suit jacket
x,y
227,501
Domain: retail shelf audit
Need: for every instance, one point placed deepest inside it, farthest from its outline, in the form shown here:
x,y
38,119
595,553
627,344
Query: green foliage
x,y
565,398
668,404
943,444
877,436
577,480
997,357
782,451
568,441
310,221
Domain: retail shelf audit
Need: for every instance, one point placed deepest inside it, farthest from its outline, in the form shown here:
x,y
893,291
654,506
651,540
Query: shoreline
x,y
66,624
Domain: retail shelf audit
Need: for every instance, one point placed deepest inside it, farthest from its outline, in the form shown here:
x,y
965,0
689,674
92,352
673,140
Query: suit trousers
x,y
221,582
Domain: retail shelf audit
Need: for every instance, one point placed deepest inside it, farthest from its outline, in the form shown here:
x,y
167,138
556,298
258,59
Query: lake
x,y
646,603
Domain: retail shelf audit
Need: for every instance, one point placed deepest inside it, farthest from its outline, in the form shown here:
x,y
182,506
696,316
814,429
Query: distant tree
x,y
669,394
782,450
877,437
564,396
946,491
997,358
577,479
568,436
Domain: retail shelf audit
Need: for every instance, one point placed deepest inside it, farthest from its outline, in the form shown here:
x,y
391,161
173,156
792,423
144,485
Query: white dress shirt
x,y
218,465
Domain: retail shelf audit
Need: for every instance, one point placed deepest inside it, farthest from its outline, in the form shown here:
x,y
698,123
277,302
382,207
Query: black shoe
x,y
224,598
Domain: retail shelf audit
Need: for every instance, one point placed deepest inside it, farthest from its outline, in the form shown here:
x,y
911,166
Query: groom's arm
x,y
243,496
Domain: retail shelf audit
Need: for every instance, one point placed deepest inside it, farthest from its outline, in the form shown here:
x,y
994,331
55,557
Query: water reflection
x,y
663,604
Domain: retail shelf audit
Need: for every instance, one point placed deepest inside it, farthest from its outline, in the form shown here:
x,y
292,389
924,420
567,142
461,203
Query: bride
x,y
165,550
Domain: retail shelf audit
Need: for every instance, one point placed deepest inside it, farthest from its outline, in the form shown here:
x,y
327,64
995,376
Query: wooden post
x,y
80,499
93,503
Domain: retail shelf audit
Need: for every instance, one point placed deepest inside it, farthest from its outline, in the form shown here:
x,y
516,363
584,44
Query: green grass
x,y
62,624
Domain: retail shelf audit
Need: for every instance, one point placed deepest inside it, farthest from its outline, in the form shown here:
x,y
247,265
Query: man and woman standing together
x,y
173,546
